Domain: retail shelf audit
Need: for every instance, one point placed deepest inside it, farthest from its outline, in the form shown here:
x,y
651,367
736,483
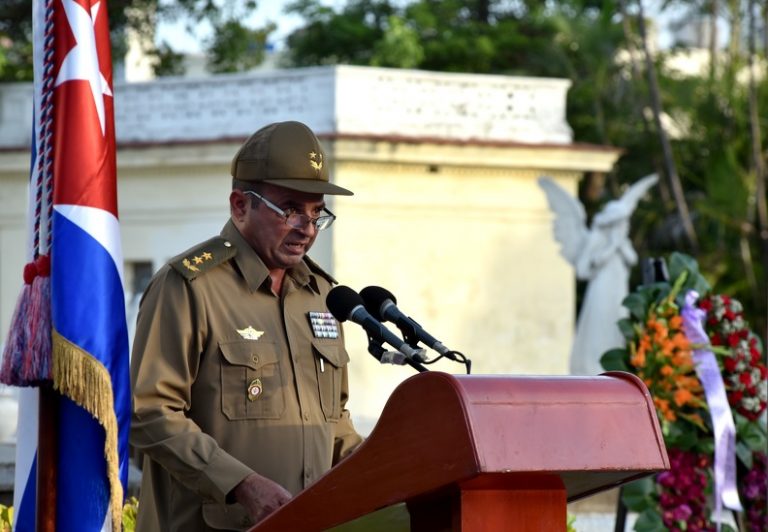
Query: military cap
x,y
286,154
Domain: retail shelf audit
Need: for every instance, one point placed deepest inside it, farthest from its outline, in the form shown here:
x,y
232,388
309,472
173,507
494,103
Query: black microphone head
x,y
374,297
341,300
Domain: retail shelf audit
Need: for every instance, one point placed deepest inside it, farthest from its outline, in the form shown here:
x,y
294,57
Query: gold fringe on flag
x,y
81,377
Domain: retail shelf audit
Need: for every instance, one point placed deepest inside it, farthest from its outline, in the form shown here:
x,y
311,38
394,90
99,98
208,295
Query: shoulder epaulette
x,y
203,257
315,268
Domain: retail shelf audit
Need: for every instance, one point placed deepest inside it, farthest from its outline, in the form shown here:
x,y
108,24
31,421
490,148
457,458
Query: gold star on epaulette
x,y
203,257
188,265
197,259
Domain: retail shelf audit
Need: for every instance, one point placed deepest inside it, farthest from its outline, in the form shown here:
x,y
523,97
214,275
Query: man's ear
x,y
238,204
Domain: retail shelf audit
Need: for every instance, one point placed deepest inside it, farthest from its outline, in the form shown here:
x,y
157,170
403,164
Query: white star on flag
x,y
82,61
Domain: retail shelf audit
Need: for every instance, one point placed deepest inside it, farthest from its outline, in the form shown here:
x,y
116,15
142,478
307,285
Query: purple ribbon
x,y
711,379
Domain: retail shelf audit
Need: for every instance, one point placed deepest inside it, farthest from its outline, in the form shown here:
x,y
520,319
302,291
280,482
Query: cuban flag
x,y
89,339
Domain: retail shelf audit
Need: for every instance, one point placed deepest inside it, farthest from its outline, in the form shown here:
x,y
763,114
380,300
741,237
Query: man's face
x,y
279,245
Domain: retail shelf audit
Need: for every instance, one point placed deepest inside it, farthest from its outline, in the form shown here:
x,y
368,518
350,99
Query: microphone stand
x,y
377,350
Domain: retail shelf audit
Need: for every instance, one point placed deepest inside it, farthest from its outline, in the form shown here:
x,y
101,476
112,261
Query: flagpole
x,y
47,471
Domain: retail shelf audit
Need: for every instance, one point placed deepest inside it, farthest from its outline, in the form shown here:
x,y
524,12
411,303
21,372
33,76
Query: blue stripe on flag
x,y
88,309
82,474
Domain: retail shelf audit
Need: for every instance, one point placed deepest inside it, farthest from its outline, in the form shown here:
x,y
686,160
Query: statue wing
x,y
570,219
623,207
635,193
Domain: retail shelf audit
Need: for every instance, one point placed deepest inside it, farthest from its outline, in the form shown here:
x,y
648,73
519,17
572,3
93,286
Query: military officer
x,y
239,372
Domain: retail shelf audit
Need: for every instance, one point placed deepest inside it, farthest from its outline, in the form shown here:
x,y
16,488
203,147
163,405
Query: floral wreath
x,y
664,351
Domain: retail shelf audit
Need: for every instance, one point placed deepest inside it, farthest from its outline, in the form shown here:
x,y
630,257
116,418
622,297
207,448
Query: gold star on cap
x,y
316,160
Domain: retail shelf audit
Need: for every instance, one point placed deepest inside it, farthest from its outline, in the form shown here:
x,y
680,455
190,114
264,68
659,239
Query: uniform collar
x,y
252,267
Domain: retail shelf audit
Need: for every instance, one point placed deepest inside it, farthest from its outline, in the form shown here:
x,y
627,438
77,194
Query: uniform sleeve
x,y
165,359
346,439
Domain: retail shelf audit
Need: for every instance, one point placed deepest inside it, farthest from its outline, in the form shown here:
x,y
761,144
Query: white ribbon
x,y
726,493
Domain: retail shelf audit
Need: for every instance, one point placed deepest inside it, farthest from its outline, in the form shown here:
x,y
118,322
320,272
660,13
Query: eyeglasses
x,y
295,219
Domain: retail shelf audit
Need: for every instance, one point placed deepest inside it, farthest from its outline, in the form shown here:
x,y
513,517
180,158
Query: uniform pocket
x,y
330,360
251,383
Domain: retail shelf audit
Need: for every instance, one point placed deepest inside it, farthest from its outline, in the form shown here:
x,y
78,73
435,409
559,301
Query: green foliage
x,y
615,360
130,511
637,495
236,48
752,435
167,62
348,37
6,518
399,48
649,521
570,524
684,436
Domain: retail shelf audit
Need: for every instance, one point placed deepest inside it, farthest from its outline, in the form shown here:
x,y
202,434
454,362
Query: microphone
x,y
381,303
346,304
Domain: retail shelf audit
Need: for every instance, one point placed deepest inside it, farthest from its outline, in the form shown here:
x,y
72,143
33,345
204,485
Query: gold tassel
x,y
78,375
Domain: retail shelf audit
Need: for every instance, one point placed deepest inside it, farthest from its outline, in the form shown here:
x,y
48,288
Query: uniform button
x,y
255,358
227,244
306,417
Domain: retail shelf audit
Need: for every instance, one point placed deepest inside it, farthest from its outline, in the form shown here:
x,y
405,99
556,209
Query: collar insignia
x,y
324,325
249,333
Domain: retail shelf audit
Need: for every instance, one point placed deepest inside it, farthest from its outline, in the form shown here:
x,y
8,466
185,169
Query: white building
x,y
446,212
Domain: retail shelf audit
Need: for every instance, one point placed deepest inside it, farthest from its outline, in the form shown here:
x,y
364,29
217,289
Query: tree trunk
x,y
666,197
734,39
669,161
765,29
758,158
714,7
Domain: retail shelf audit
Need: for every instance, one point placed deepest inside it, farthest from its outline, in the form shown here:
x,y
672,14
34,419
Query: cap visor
x,y
311,186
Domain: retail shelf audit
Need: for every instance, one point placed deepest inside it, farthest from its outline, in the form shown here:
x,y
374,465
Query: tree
x,y
233,47
348,36
712,200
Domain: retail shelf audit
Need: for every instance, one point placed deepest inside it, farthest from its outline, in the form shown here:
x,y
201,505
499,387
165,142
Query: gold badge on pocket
x,y
254,389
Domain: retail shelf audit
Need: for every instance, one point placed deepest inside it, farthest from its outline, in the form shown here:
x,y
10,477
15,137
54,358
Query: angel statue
x,y
601,255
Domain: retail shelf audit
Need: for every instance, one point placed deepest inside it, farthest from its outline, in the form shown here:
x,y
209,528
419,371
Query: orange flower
x,y
675,322
645,342
663,406
667,370
682,359
681,341
691,383
660,331
667,347
682,396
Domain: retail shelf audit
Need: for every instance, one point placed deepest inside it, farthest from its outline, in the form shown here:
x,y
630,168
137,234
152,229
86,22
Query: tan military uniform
x,y
228,379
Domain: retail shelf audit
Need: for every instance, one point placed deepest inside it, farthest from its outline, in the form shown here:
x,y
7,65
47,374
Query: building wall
x,y
446,213
462,236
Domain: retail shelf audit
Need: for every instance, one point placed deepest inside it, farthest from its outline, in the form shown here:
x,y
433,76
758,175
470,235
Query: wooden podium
x,y
488,453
